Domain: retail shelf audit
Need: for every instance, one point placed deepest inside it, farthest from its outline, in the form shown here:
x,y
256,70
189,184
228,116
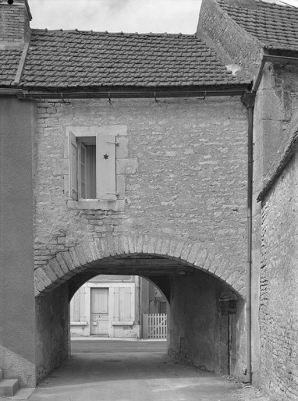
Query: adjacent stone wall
x,y
278,98
275,120
17,317
237,48
279,283
189,183
52,331
199,331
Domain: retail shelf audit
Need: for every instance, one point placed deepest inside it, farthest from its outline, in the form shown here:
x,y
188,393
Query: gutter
x,y
10,92
272,58
127,94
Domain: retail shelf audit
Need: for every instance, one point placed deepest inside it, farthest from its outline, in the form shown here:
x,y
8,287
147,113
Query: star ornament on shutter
x,y
106,167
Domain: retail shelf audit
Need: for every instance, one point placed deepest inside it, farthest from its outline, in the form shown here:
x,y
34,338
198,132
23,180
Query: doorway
x,y
99,312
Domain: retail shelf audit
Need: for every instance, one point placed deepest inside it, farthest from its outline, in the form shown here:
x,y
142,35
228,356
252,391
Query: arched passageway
x,y
205,310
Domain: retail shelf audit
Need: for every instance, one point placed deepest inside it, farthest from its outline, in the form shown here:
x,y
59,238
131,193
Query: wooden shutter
x,y
73,166
123,304
75,307
106,167
82,171
116,314
126,304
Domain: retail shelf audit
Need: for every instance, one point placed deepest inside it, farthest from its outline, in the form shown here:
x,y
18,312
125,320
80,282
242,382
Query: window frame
x,y
112,135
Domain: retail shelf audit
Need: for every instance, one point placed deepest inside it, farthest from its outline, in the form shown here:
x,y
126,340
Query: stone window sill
x,y
122,323
96,204
78,323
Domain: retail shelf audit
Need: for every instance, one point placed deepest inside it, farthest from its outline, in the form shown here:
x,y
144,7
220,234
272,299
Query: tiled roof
x,y
9,61
275,26
92,59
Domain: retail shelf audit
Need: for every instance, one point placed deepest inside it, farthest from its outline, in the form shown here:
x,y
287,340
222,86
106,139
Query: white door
x,y
99,312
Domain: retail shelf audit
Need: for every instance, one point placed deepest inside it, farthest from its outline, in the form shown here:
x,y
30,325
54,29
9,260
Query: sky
x,y
143,16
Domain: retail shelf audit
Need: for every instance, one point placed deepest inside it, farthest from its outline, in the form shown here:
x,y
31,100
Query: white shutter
x,y
75,307
116,316
123,304
106,167
126,303
82,304
73,166
71,309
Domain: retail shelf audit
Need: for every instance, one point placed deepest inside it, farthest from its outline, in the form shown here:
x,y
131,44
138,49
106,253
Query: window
x,y
93,167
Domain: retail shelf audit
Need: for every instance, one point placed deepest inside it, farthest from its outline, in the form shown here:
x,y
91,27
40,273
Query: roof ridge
x,y
262,3
274,25
165,34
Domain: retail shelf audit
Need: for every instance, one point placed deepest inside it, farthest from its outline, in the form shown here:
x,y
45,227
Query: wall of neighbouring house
x,y
278,97
279,282
151,299
17,316
52,331
273,223
238,49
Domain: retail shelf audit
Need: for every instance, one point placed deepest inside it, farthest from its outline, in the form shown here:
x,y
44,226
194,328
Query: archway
x,y
87,255
192,279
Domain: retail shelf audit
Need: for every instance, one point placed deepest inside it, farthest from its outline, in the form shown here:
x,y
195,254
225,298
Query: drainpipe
x,y
248,100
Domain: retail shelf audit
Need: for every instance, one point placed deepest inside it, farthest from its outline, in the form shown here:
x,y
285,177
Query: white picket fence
x,y
155,325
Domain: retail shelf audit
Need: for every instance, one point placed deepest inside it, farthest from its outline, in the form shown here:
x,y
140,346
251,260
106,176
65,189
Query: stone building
x,y
163,156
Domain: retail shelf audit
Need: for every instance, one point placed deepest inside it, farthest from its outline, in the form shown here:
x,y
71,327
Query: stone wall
x,y
279,282
52,331
278,98
275,120
239,50
188,180
200,333
17,318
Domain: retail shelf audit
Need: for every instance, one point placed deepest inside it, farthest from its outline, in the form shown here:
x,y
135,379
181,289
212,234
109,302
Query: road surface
x,y
113,345
106,370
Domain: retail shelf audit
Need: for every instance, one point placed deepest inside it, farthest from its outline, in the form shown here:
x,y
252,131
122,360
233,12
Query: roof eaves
x,y
135,92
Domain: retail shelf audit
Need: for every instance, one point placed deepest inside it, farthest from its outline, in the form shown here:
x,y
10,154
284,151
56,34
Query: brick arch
x,y
67,264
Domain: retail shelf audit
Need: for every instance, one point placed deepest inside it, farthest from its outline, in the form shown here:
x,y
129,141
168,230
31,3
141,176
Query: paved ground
x,y
105,370
111,345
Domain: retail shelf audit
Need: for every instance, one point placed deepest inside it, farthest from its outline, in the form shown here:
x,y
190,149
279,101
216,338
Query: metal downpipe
x,y
248,100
